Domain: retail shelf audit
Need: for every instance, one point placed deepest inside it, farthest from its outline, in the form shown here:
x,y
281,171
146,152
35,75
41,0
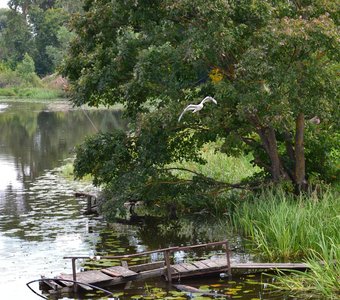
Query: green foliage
x,y
8,92
325,150
127,172
32,93
282,227
46,24
8,77
26,71
57,52
39,93
67,171
322,278
15,38
37,28
266,63
26,66
102,156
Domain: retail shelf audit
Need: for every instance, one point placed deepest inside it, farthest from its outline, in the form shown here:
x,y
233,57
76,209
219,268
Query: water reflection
x,y
40,220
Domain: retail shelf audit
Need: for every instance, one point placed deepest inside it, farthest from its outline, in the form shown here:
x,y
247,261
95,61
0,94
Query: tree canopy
x,y
36,27
271,65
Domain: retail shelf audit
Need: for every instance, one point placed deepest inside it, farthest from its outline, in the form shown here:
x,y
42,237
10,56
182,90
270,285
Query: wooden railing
x,y
166,252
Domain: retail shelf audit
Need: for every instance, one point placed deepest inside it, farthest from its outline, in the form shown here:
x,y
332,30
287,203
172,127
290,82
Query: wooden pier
x,y
117,275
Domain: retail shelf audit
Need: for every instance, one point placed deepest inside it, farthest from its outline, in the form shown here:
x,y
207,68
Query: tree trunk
x,y
268,139
269,143
300,169
289,167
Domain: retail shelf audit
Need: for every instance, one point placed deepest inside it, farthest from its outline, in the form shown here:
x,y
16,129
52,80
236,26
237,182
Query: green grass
x,y
283,227
67,172
32,93
7,92
216,200
322,279
219,166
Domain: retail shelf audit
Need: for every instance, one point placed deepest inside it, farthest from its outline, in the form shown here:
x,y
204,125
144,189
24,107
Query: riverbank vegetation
x,y
271,67
34,38
322,279
284,227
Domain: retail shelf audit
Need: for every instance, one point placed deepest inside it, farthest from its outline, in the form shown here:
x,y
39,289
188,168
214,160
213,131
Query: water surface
x,y
41,221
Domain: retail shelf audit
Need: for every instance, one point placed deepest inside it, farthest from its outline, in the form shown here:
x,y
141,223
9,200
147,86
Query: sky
x,y
3,3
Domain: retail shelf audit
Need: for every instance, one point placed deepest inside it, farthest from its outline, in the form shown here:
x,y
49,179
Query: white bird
x,y
196,107
315,120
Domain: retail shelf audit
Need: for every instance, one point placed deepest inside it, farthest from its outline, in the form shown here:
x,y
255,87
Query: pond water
x,y
41,221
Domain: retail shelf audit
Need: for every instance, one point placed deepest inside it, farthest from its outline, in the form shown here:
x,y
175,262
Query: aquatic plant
x,y
284,227
323,277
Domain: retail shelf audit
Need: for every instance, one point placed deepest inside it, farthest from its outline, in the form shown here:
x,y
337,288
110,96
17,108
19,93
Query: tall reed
x,y
322,279
284,227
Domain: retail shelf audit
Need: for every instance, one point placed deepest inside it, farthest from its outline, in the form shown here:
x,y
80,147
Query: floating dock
x,y
117,275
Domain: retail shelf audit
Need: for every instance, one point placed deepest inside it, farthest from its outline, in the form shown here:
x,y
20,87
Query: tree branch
x,y
185,170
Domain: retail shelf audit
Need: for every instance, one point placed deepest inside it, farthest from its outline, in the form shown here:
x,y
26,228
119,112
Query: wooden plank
x,y
269,266
179,268
222,262
124,264
188,267
199,265
87,277
118,271
65,283
147,267
52,284
210,263
85,287
185,248
166,254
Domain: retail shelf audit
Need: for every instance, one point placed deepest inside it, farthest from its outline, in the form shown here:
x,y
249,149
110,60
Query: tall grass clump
x,y
67,171
322,279
40,93
284,227
219,166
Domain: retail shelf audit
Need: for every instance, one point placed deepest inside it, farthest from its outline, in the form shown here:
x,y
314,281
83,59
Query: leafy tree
x,y
24,6
15,38
46,25
26,67
57,52
39,28
3,19
271,65
26,71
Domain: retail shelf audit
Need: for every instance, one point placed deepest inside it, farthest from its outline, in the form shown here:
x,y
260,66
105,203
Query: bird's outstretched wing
x,y
189,107
207,99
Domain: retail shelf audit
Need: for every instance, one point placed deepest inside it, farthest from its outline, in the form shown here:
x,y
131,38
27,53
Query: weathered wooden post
x,y
226,245
167,263
89,204
74,274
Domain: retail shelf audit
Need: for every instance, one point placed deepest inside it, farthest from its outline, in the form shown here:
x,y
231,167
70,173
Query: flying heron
x,y
196,107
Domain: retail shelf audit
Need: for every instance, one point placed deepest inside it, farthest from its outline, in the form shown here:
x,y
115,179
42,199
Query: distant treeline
x,y
34,38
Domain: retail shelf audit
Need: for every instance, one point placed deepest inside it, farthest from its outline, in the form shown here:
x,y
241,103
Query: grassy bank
x,y
32,93
282,227
322,279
